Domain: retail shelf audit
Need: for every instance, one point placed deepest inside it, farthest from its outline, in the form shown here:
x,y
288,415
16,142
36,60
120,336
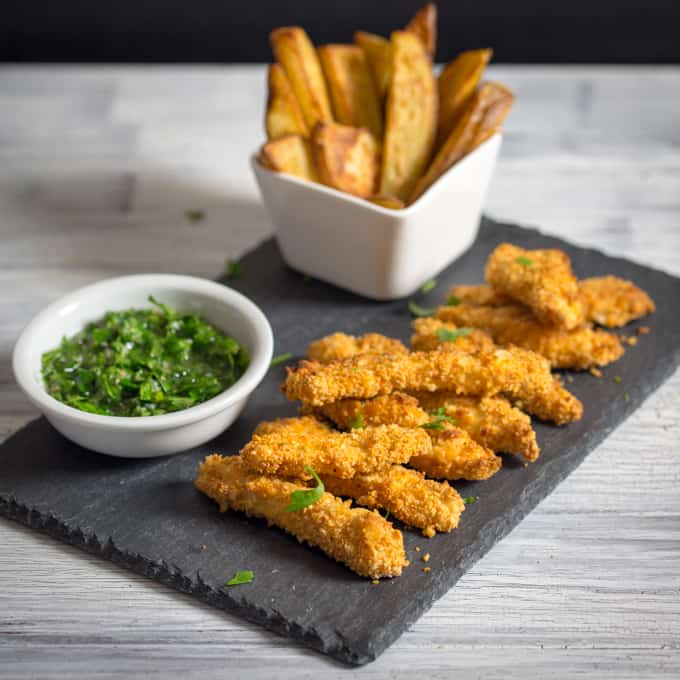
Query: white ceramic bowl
x,y
138,437
371,250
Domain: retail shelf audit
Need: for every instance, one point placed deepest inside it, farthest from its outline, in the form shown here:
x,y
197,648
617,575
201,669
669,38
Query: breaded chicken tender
x,y
579,349
369,375
479,294
341,346
491,421
540,279
362,539
293,443
431,334
453,456
416,501
614,302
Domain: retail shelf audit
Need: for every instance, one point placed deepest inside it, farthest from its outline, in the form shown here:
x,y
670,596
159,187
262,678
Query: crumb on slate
x,y
417,548
427,570
632,341
426,557
375,581
595,371
643,330
429,532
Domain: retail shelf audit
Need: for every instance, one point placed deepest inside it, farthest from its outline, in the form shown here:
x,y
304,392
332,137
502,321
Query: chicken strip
x,y
491,421
430,334
479,294
366,376
363,540
416,501
298,442
579,349
453,456
540,279
614,302
341,346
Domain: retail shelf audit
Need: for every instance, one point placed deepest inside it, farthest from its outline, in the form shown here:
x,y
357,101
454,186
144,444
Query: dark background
x,y
558,31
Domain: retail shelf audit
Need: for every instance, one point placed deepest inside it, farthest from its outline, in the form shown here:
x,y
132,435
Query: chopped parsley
x,y
626,396
453,301
306,497
281,358
447,335
617,379
439,418
428,286
470,500
357,422
524,261
234,269
387,513
417,310
240,578
195,216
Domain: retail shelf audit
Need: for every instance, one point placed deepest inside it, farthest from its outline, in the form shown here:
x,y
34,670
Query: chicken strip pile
x,y
342,346
291,444
614,302
362,539
540,279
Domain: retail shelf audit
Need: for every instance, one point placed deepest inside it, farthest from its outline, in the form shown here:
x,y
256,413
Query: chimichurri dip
x,y
143,362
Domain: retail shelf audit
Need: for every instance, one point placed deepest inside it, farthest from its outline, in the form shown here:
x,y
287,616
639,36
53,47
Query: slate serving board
x,y
146,515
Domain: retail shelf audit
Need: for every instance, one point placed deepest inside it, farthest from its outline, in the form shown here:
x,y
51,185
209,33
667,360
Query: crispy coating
x,y
292,443
540,279
480,294
363,540
341,346
366,376
455,455
431,334
491,421
416,501
579,349
614,302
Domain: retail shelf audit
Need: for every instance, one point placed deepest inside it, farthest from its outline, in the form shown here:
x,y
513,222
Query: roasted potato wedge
x,y
291,155
294,51
411,117
482,117
347,158
378,51
284,116
354,95
456,84
391,202
424,25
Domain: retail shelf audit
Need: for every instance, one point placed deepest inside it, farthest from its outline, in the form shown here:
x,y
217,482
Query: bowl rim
x,y
259,362
428,195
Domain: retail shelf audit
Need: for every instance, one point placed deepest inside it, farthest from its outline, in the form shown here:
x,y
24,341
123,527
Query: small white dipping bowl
x,y
146,436
374,251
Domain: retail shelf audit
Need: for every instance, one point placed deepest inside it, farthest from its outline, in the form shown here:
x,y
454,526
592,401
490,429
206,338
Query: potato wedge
x,y
291,155
456,84
424,25
284,116
294,51
354,95
411,117
347,158
482,117
391,202
378,51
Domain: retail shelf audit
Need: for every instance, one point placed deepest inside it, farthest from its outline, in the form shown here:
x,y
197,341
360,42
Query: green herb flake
x,y
387,513
470,500
281,358
357,422
195,216
428,286
524,261
417,310
234,269
240,578
306,497
448,335
617,379
626,396
439,418
453,301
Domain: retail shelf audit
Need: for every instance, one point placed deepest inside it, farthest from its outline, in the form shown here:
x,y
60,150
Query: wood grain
x,y
97,169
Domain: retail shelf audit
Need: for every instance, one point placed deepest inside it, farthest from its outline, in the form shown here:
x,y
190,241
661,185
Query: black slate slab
x,y
146,515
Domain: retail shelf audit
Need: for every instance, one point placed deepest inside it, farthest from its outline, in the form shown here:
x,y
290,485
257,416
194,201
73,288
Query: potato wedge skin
x,y
378,51
294,51
456,84
482,117
424,25
411,117
347,158
291,155
354,95
283,116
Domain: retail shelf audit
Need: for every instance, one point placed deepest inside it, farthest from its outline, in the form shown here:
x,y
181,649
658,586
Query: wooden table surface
x,y
97,169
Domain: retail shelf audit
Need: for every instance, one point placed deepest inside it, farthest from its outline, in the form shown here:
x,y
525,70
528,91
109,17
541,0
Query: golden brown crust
x,y
363,540
290,444
434,334
424,25
342,346
291,155
396,408
283,116
614,302
480,294
540,279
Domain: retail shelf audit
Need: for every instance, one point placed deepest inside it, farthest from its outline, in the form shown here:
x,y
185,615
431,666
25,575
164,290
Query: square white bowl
x,y
374,251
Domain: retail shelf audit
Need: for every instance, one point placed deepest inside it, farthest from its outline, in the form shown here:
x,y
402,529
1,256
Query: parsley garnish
x,y
281,358
417,310
439,418
195,216
428,286
453,301
524,261
387,513
357,422
626,396
470,500
240,578
617,379
447,335
305,497
234,269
